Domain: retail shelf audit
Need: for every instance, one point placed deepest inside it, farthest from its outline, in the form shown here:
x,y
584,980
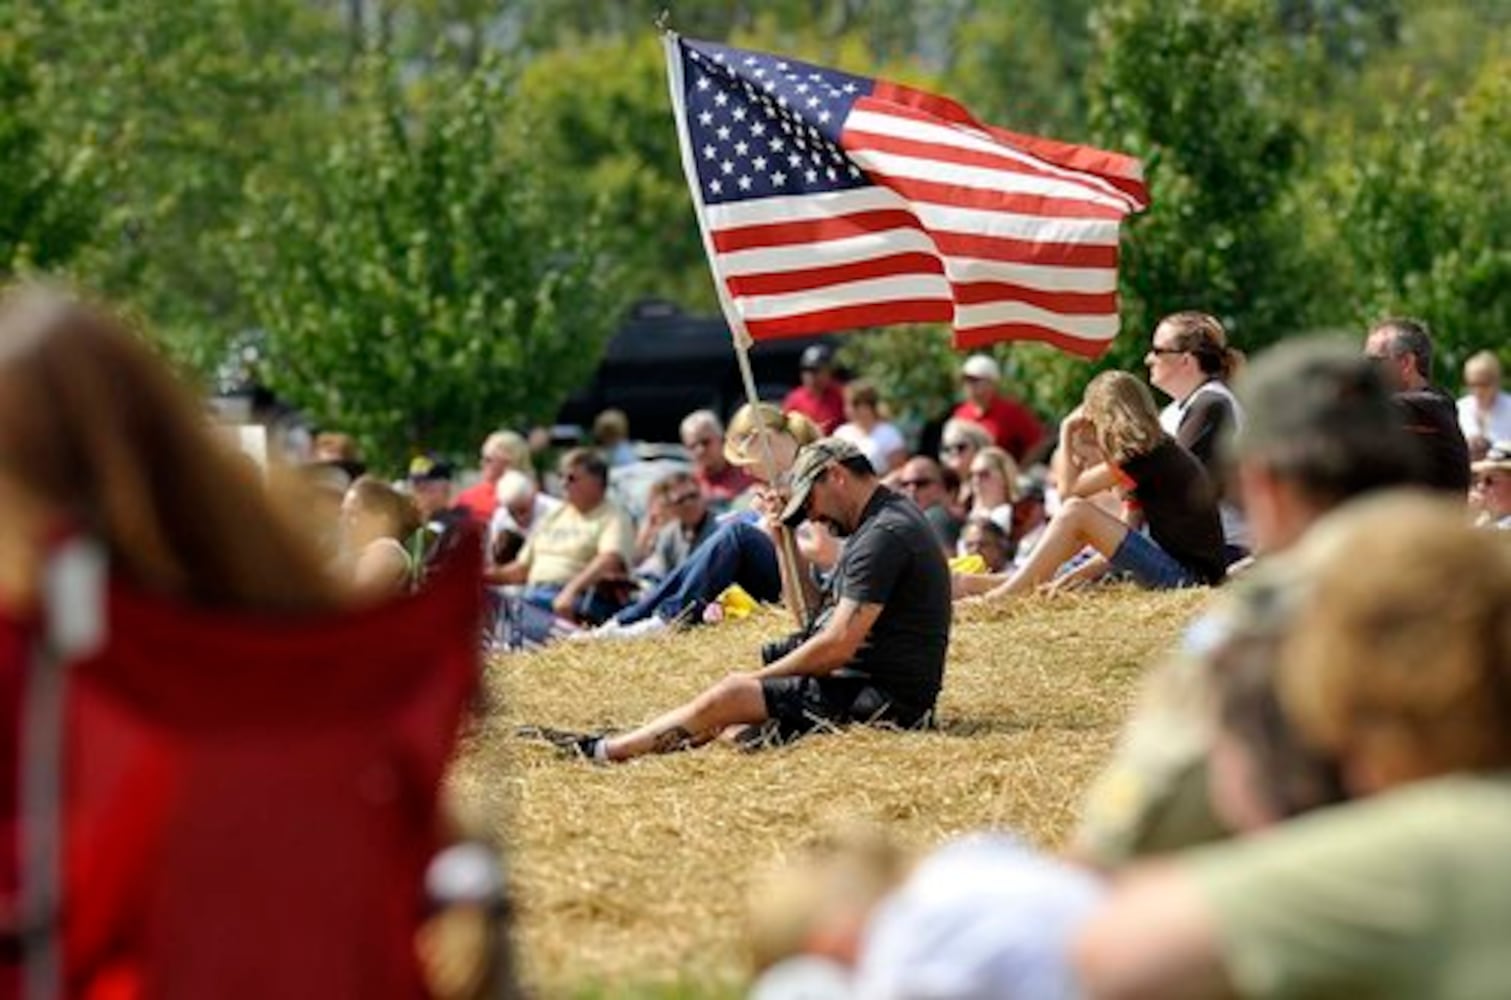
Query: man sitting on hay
x,y
875,656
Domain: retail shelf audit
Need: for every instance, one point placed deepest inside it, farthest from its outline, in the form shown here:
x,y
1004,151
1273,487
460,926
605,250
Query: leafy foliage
x,y
426,283
49,199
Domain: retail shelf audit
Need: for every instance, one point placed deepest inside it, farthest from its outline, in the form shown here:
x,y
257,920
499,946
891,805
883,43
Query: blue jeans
x,y
1141,558
737,552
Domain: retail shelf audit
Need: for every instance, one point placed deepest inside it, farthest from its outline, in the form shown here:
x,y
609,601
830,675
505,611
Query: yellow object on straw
x,y
968,564
736,602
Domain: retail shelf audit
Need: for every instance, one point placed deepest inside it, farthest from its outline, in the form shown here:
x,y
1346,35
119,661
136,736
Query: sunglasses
x,y
954,449
917,484
982,473
684,498
1168,350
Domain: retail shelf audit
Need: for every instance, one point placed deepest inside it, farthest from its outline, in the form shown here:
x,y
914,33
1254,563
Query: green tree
x,y
49,199
183,101
428,284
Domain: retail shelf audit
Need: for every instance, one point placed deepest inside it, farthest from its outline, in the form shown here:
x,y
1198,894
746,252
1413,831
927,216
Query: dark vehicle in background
x,y
663,363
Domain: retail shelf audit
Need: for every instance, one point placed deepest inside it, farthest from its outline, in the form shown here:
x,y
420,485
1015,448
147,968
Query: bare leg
x,y
1078,524
732,701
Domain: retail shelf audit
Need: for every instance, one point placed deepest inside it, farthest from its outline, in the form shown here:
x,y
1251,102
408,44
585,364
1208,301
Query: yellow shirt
x,y
567,540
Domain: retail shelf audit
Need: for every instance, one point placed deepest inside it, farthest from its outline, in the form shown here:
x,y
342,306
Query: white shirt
x,y
884,441
1494,426
503,520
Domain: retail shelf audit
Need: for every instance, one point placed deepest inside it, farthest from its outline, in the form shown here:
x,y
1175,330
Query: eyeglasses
x,y
685,498
703,442
917,484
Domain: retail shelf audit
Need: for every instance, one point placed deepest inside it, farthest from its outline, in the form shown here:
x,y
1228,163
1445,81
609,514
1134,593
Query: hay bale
x,y
639,873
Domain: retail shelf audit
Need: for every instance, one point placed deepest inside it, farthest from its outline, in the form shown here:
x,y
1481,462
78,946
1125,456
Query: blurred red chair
x,y
248,804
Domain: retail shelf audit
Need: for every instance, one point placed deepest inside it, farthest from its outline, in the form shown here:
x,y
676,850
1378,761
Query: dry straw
x,y
638,874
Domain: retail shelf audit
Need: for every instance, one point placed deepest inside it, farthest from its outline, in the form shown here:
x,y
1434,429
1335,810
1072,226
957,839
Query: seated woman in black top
x,y
1163,487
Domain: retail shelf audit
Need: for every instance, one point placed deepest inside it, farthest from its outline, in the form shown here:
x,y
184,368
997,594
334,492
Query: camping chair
x,y
245,805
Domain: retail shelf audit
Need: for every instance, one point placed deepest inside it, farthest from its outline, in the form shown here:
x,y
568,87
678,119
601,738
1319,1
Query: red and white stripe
x,y
1004,237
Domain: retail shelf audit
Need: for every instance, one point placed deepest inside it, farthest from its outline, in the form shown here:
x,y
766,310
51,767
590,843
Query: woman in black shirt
x,y
1164,488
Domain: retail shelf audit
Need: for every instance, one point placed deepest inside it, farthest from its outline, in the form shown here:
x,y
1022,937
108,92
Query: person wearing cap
x,y
1484,411
1402,348
877,658
1012,425
430,487
1320,430
1490,491
820,398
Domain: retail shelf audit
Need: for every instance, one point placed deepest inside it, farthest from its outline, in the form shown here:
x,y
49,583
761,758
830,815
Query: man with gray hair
x,y
1403,349
718,480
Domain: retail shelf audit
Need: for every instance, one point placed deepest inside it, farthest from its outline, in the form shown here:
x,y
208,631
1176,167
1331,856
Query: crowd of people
x,y
1345,691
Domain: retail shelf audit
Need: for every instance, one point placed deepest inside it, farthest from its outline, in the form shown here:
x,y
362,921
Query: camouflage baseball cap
x,y
809,469
1309,386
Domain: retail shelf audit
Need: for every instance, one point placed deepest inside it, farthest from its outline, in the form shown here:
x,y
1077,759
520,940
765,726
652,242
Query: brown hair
x,y
1202,336
1407,667
374,495
1121,409
863,393
94,426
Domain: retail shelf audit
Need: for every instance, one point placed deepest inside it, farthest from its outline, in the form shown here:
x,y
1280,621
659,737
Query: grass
x,y
632,880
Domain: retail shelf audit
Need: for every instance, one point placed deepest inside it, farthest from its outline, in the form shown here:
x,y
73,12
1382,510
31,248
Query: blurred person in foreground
x,y
721,481
1321,429
1401,673
101,442
877,658
1402,348
1484,410
1490,491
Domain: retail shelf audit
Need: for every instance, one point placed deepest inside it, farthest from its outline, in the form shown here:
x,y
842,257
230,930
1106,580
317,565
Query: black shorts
x,y
798,705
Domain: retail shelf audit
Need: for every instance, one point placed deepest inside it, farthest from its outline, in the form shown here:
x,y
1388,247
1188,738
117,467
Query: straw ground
x,y
632,880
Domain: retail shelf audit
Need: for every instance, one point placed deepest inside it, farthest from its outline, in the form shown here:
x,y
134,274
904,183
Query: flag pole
x,y
791,582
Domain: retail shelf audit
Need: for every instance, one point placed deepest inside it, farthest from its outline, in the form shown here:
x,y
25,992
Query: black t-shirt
x,y
893,559
1172,489
1432,420
1205,419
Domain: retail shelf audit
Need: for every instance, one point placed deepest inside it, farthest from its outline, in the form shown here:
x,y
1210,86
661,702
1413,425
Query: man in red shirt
x,y
1011,424
820,397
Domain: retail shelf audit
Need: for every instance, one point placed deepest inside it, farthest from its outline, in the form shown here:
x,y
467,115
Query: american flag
x,y
830,201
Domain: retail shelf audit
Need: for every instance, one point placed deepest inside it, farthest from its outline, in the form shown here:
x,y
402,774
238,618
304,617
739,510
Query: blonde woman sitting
x,y
1164,489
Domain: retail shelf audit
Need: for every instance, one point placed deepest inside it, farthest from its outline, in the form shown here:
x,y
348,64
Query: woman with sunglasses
x,y
742,550
1190,361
